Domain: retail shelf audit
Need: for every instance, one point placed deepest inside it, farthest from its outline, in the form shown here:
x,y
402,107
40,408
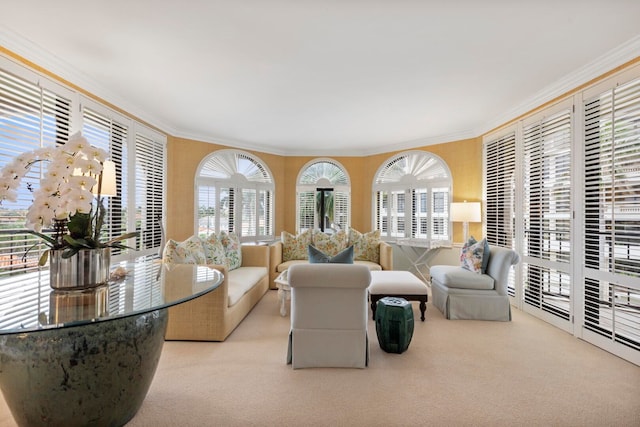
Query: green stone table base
x,y
89,375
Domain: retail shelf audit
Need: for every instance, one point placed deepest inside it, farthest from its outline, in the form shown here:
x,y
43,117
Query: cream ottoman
x,y
401,284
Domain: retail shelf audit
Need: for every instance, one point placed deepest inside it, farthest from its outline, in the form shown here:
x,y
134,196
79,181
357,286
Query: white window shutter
x,y
31,117
547,213
612,214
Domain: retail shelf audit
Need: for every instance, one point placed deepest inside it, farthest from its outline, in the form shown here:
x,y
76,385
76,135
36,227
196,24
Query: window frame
x,y
236,184
409,188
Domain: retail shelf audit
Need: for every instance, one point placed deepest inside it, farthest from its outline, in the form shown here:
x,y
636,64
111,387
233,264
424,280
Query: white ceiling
x,y
333,77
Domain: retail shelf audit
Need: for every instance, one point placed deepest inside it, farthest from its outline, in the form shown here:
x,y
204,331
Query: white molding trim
x,y
57,66
605,63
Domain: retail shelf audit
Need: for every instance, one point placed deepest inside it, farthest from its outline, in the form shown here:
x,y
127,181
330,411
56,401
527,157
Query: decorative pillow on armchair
x,y
295,247
473,255
189,251
316,256
214,250
330,244
232,249
366,247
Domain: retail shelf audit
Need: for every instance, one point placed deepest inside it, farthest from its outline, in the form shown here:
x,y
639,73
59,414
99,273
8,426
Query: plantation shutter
x,y
306,210
264,218
500,165
499,194
206,210
547,214
235,194
31,117
107,131
249,212
380,211
396,213
612,214
341,213
439,214
149,190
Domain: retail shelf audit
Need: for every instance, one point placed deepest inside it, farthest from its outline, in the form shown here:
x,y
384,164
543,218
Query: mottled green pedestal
x,y
94,374
394,324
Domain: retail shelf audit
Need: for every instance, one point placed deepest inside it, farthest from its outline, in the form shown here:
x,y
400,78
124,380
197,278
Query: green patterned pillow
x,y
295,247
189,251
366,247
330,244
232,249
214,250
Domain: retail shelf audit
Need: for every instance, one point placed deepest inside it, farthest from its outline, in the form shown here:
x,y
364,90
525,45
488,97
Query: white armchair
x,y
462,294
328,316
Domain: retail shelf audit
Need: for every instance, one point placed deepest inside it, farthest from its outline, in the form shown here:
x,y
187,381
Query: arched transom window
x,y
234,192
323,196
411,194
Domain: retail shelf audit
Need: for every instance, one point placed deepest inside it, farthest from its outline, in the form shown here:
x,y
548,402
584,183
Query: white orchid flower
x,y
77,143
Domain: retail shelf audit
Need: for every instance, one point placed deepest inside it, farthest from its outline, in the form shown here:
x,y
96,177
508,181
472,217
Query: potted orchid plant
x,y
69,200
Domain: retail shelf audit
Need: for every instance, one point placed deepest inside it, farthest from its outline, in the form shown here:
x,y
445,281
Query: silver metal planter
x,y
87,269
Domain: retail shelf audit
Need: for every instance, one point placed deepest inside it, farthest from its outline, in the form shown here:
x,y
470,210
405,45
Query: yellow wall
x,y
464,159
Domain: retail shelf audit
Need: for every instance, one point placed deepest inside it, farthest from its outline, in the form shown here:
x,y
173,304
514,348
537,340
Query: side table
x,y
284,291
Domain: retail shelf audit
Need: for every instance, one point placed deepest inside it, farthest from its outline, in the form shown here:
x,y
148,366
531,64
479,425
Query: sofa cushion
x,y
285,265
453,276
318,257
214,250
232,249
295,247
366,247
372,266
241,280
189,251
330,244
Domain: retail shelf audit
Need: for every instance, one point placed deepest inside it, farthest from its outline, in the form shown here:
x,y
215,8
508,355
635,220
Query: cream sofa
x,y
213,316
277,264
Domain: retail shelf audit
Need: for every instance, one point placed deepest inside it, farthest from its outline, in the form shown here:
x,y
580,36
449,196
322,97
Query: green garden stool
x,y
394,324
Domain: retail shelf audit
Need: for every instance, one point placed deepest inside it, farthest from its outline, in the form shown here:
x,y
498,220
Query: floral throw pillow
x,y
472,255
189,251
295,247
330,244
232,249
214,250
366,247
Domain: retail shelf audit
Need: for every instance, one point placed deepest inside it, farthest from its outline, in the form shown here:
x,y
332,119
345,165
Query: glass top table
x,y
28,304
78,358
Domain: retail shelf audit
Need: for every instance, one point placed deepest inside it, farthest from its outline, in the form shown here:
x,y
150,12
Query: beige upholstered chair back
x,y
329,315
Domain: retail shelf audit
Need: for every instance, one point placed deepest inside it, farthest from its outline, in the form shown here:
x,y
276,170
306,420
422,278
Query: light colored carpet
x,y
455,373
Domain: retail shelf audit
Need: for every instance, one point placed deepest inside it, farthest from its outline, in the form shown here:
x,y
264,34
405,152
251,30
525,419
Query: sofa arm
x,y
255,256
199,319
386,256
275,255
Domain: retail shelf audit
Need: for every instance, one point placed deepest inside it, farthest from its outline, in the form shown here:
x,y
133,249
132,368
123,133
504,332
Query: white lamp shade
x,y
108,180
466,212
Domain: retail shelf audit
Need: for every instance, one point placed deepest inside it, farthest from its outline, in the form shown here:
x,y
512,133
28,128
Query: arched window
x,y
412,194
323,196
234,192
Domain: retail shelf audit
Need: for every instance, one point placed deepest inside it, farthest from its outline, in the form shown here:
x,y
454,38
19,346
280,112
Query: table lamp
x,y
465,213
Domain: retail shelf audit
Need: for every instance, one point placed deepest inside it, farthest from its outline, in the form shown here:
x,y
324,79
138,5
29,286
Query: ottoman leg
x,y
423,308
374,301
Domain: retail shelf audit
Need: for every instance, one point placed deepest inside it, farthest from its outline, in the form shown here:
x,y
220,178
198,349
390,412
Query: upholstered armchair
x,y
462,294
328,316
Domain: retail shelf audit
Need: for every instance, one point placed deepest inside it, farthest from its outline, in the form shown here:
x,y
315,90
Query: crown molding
x,y
624,53
621,55
60,68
